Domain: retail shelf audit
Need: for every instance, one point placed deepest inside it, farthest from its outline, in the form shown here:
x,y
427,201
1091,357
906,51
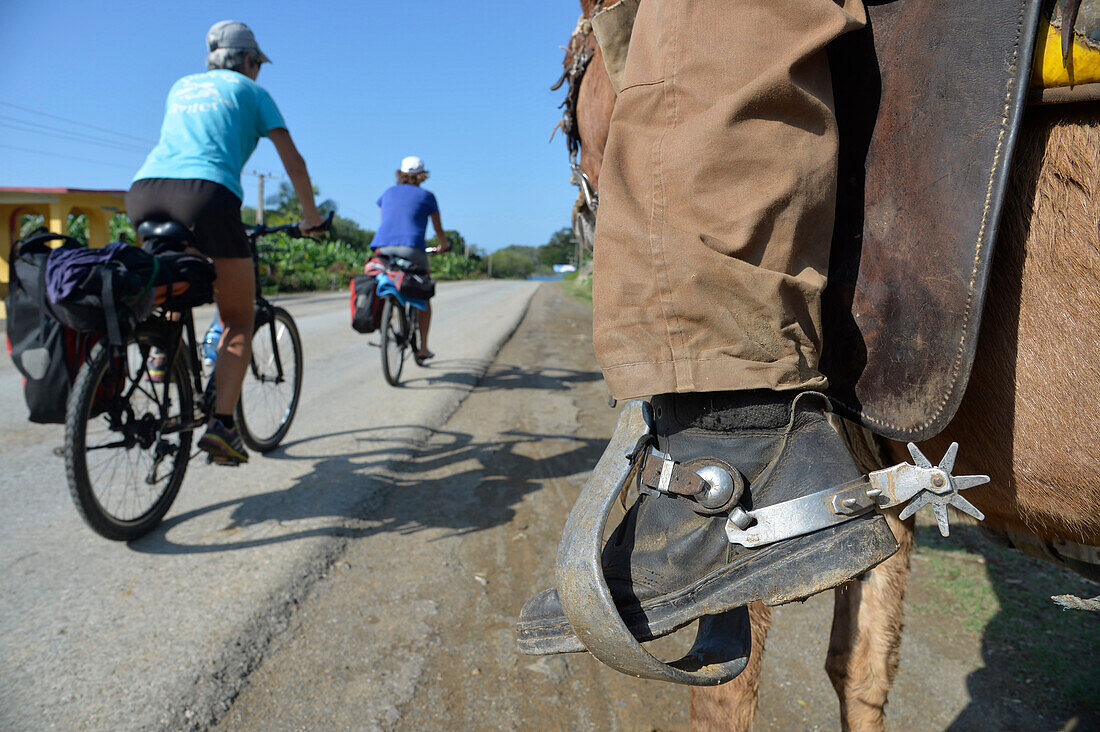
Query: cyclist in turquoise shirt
x,y
212,123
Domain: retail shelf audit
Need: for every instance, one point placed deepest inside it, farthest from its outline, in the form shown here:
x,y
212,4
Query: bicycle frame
x,y
264,315
177,338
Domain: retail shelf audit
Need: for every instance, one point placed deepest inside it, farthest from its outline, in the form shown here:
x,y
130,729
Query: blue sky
x,y
464,85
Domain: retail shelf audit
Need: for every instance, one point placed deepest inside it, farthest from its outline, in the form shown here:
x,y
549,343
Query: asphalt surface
x,y
412,627
164,631
367,576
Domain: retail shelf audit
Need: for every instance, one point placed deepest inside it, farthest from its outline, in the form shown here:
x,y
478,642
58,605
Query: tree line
x,y
291,265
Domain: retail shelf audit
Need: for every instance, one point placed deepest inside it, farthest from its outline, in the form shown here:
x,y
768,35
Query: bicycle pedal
x,y
226,462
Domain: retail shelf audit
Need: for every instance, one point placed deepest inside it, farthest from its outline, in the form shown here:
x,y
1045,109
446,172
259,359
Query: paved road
x,y
99,635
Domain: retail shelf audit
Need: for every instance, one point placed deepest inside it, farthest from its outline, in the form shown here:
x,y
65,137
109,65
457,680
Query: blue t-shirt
x,y
212,122
405,212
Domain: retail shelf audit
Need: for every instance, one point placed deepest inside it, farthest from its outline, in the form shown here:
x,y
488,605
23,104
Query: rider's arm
x,y
295,166
441,237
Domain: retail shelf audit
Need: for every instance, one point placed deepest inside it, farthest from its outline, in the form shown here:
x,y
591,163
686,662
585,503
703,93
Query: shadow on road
x,y
389,484
1038,659
461,372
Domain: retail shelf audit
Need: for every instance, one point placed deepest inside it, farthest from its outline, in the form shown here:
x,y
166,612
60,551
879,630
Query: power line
x,y
67,135
67,157
78,123
38,125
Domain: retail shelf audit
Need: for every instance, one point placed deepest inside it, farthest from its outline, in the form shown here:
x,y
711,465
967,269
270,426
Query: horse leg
x,y
863,646
732,706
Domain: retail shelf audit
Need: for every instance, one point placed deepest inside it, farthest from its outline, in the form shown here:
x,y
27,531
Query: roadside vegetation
x,y
578,284
297,265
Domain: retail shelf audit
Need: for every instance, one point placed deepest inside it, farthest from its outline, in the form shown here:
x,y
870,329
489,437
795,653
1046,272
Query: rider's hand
x,y
444,247
310,226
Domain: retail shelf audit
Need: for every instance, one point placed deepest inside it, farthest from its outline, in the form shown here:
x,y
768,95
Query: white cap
x,y
412,164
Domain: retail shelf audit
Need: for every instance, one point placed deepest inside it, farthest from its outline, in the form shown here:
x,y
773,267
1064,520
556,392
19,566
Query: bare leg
x,y
732,706
863,647
235,294
425,317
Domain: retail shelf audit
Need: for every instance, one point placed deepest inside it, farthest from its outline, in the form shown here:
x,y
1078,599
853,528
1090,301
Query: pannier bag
x,y
184,281
417,285
366,306
47,354
412,284
108,290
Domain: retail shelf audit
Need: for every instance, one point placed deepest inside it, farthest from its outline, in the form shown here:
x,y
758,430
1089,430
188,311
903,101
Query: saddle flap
x,y
929,96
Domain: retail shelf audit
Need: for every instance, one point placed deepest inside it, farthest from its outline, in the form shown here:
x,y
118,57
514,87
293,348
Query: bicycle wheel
x,y
123,469
395,339
273,383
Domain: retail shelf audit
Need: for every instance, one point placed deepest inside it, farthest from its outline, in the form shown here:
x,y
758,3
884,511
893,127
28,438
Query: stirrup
x,y
586,598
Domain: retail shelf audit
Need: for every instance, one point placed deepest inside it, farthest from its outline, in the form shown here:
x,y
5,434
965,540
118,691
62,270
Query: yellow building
x,y
55,205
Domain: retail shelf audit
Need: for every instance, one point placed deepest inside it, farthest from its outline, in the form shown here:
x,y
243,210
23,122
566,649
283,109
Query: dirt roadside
x,y
412,627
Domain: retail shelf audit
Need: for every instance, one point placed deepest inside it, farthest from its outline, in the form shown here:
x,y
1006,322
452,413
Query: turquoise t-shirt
x,y
212,122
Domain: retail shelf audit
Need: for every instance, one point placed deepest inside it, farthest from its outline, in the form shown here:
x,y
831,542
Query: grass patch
x,y
1031,648
577,288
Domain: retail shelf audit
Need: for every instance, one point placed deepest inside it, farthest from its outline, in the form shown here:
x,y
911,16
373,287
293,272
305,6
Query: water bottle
x,y
210,345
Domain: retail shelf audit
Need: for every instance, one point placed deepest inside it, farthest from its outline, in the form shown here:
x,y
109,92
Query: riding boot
x,y
669,561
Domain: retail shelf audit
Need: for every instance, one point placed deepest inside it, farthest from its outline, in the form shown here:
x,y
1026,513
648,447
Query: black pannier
x,y
108,290
366,306
47,354
413,284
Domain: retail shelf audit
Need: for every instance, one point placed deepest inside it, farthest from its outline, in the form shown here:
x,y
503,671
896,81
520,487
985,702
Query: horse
x,y
593,93
1031,391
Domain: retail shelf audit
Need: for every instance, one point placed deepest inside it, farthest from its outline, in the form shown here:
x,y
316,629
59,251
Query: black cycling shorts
x,y
210,210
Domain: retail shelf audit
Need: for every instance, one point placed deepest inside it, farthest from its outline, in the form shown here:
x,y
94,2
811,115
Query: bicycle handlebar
x,y
257,230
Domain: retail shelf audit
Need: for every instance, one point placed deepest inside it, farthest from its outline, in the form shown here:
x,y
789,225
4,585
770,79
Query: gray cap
x,y
234,34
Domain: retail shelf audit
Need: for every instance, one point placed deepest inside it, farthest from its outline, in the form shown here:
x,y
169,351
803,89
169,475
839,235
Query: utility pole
x,y
490,265
260,203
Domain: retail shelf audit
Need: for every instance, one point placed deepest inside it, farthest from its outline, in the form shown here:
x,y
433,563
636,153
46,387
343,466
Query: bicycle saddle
x,y
162,236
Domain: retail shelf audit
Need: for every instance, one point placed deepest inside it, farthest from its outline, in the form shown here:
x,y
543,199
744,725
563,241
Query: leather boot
x,y
669,561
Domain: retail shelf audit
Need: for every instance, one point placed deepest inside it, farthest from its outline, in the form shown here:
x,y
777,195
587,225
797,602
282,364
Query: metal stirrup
x,y
586,598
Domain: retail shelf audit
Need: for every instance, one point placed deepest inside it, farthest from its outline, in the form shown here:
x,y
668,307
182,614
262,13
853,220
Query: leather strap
x,y
669,476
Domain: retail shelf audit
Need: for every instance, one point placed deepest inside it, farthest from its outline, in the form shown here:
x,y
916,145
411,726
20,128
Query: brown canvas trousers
x,y
716,197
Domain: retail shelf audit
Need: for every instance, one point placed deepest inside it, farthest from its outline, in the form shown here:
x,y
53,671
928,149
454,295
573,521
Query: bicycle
x,y
400,322
128,437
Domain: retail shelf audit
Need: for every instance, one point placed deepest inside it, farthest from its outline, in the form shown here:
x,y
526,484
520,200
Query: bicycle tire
x,y
267,405
395,334
115,418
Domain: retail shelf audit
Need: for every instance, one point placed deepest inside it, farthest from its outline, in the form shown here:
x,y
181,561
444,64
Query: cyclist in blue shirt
x,y
406,208
212,123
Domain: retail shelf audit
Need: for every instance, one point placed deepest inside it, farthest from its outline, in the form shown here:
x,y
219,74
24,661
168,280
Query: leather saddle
x,y
929,98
